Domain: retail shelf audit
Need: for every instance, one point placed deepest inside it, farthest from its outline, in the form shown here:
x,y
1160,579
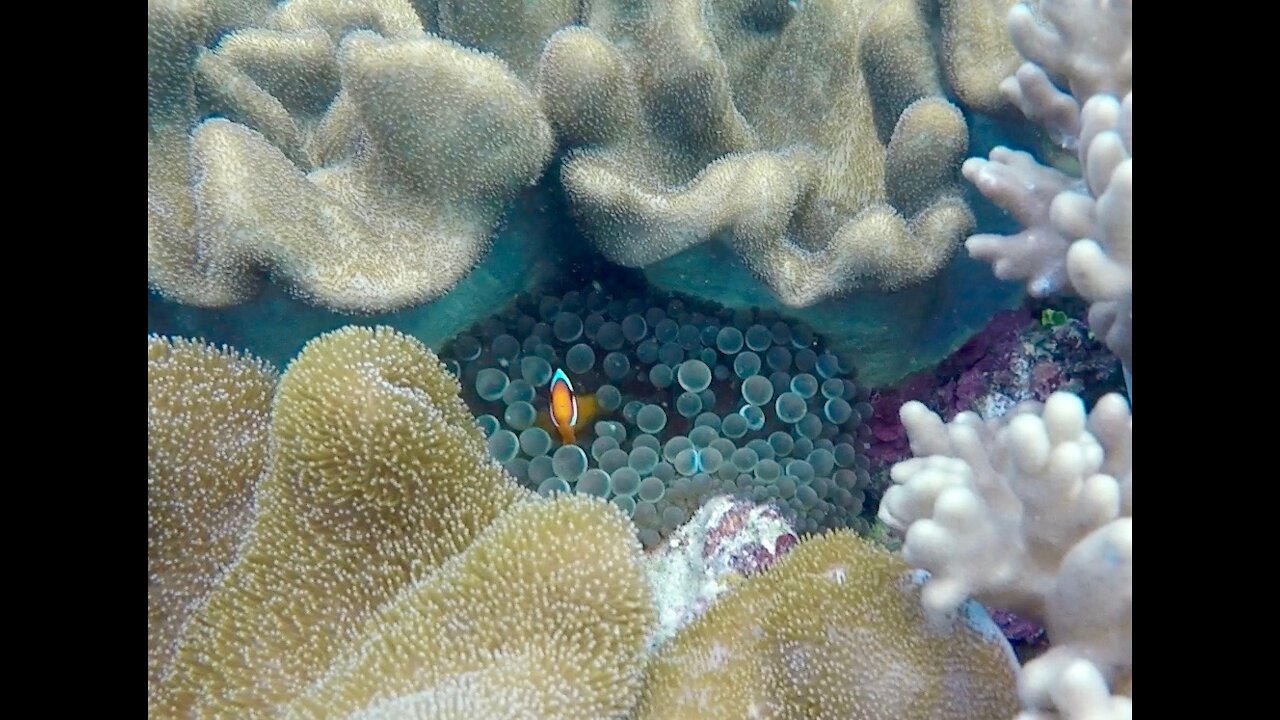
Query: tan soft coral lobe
x,y
378,475
834,630
690,126
375,189
393,568
207,412
544,616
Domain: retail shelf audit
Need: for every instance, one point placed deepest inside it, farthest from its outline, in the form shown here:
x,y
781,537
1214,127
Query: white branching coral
x,y
1078,232
1031,512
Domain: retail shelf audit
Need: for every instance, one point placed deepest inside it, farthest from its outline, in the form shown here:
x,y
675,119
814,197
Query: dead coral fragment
x,y
726,540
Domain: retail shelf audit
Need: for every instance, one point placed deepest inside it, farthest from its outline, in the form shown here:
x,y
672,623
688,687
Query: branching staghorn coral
x,y
833,630
1079,231
1033,513
381,512
382,198
815,142
207,414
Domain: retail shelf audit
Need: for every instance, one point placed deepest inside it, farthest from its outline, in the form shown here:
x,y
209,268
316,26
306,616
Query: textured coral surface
x,y
379,515
696,127
833,630
379,191
389,568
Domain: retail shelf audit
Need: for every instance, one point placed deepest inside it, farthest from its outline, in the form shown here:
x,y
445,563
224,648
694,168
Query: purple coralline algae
x,y
1024,354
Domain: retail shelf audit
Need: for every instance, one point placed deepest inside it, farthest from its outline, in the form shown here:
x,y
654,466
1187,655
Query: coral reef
x,y
389,568
382,532
1033,511
378,510
834,630
1078,231
206,446
692,401
694,126
385,200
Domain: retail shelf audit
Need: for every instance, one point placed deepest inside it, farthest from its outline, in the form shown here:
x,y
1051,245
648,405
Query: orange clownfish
x,y
567,416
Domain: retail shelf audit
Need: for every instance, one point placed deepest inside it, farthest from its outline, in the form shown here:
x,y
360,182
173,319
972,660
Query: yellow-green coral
x,y
383,535
393,569
544,616
834,630
816,143
207,414
378,474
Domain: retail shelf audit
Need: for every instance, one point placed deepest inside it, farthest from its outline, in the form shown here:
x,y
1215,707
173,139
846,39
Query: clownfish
x,y
568,413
